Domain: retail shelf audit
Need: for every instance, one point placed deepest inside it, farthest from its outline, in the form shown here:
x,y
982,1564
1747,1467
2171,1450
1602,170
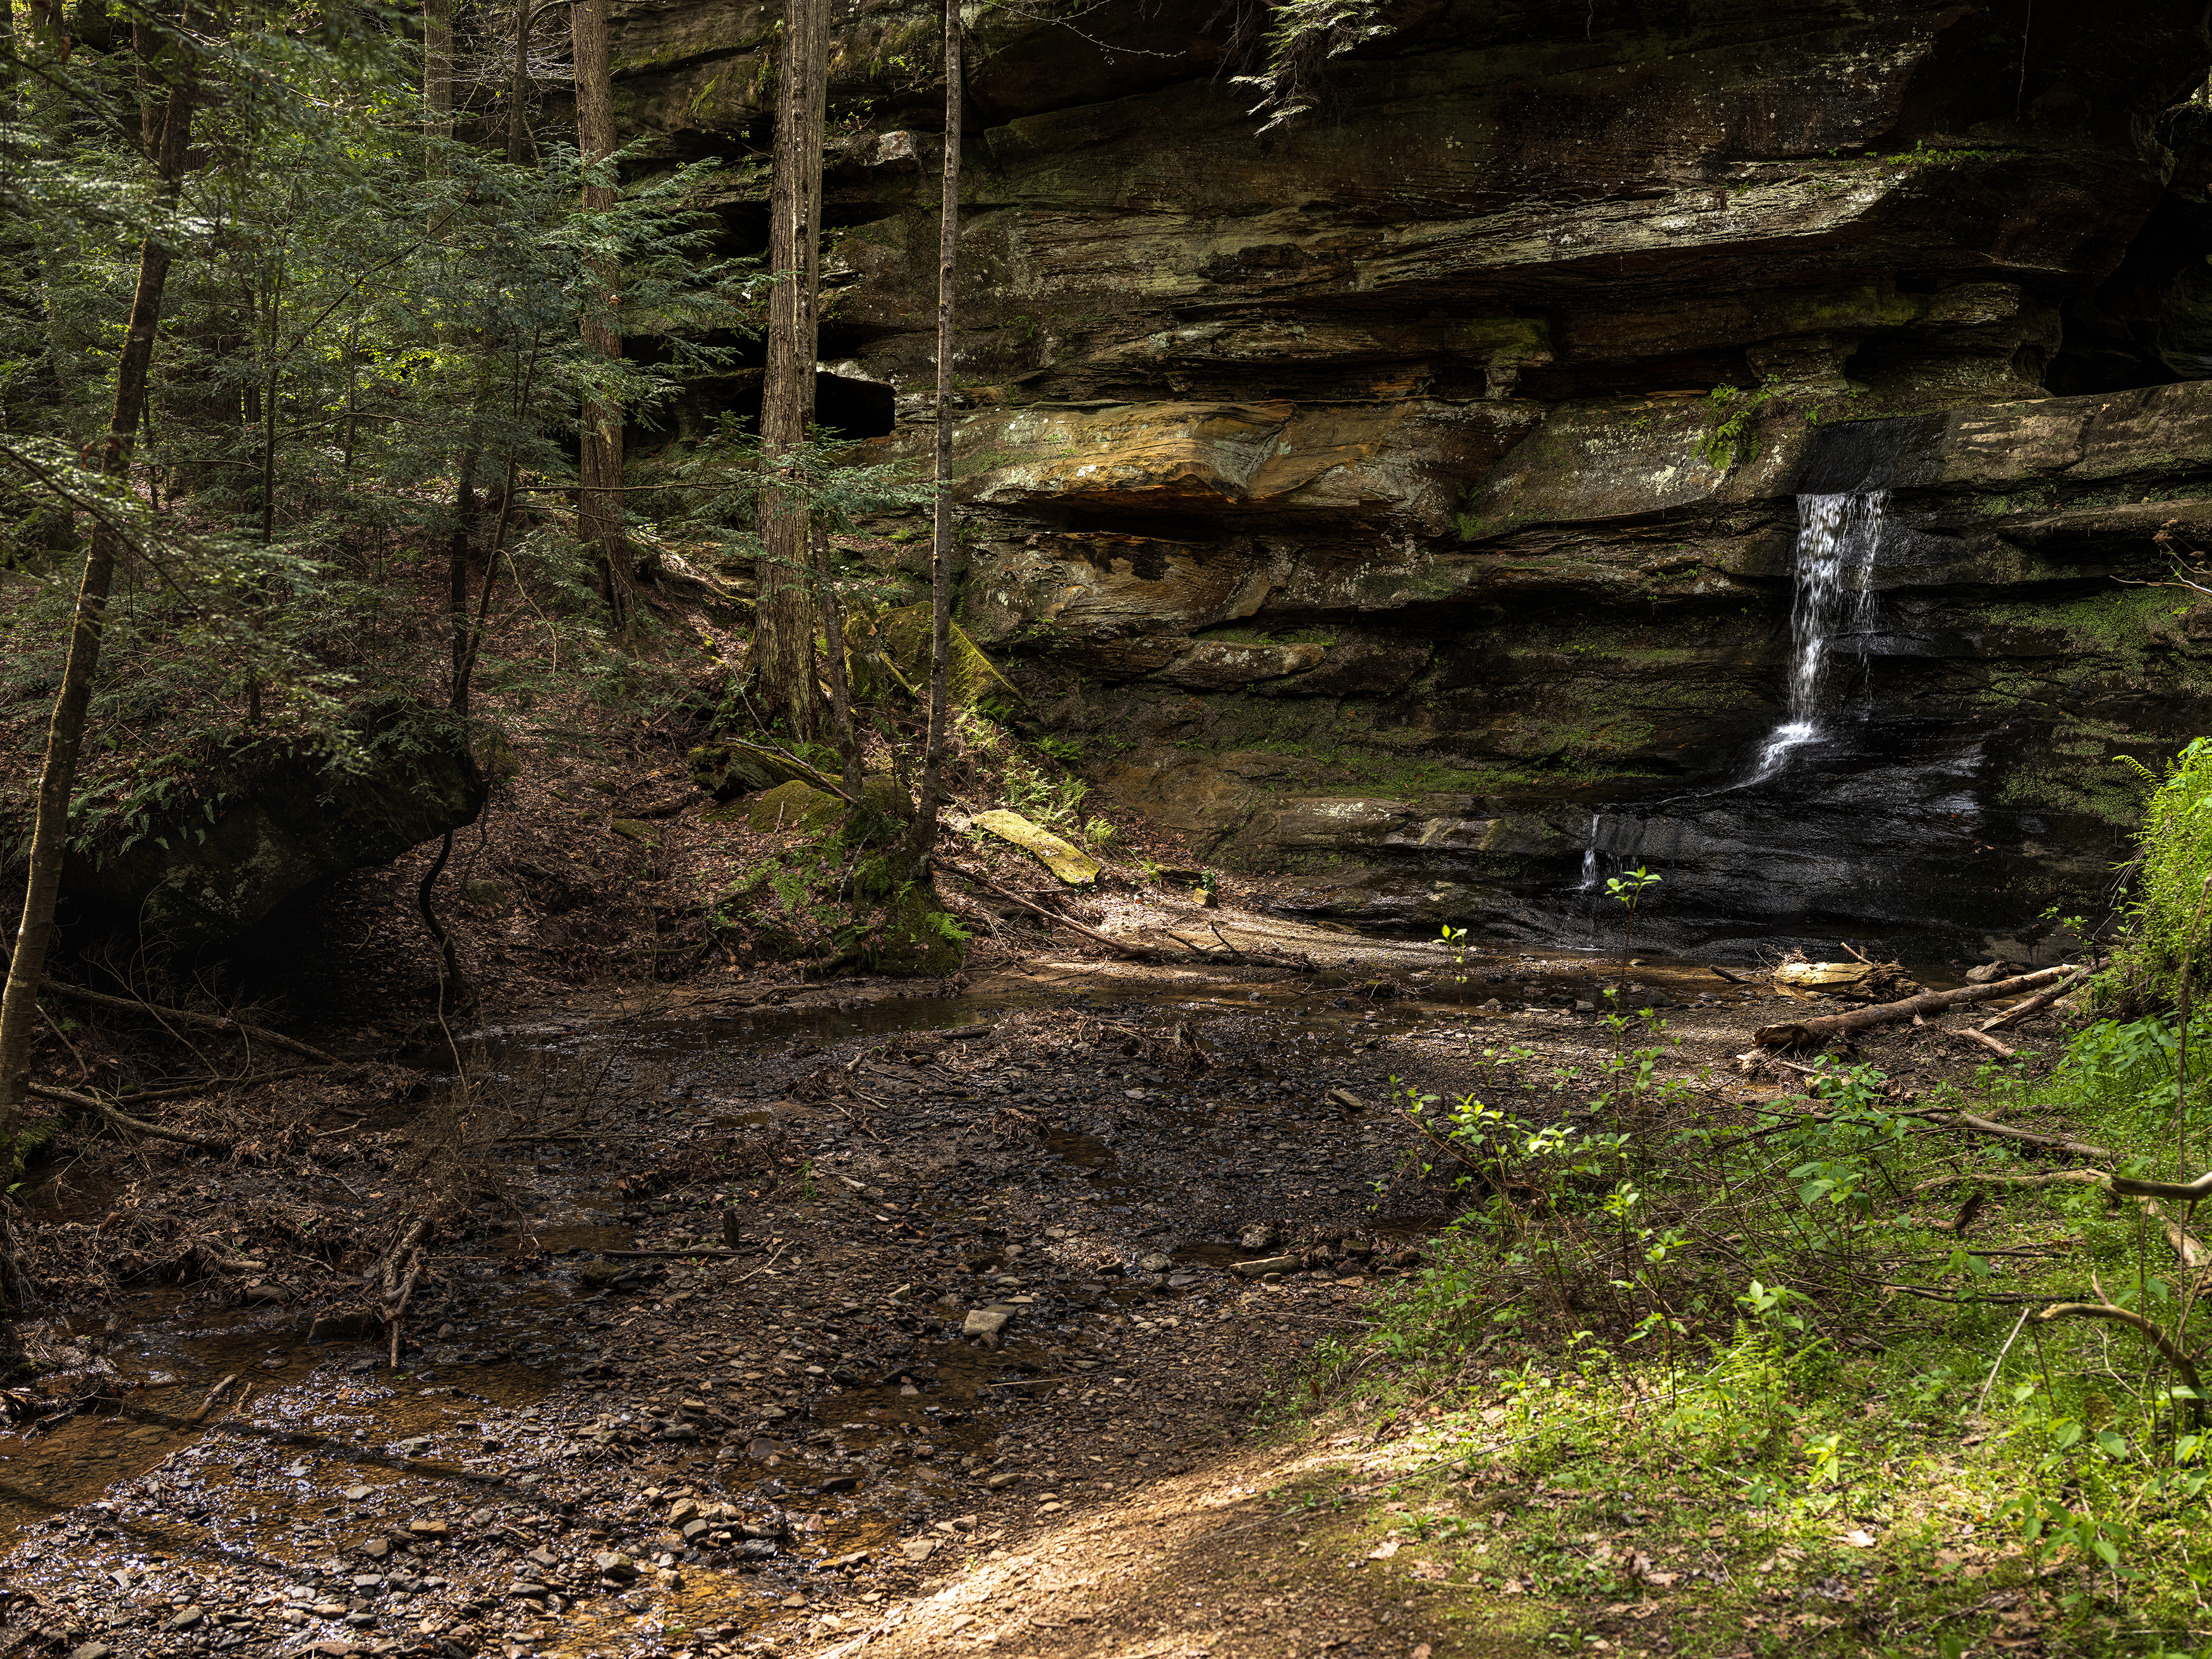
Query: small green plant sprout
x,y
1454,940
1627,890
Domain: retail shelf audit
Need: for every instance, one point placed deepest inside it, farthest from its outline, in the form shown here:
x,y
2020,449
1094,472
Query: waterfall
x,y
1834,610
1837,536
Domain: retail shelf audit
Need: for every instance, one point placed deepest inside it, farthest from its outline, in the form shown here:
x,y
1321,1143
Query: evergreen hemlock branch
x,y
1301,36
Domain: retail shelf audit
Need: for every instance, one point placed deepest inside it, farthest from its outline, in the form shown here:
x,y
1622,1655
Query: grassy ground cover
x,y
1703,1376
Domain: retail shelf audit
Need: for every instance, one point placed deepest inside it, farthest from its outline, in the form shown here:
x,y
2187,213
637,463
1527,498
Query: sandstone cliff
x,y
1359,492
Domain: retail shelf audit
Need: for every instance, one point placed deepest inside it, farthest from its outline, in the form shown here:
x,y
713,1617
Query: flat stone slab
x,y
1075,868
986,1322
1266,1265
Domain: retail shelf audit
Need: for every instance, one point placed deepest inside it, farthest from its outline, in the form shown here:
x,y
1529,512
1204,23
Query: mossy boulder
x,y
794,805
207,869
731,766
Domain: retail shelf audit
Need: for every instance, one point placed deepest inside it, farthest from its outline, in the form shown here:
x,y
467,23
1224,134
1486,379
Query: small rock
x,y
918,1549
355,1494
190,1619
1154,1263
377,1548
92,1650
613,1564
1266,1265
425,1528
694,1531
1003,1480
1257,1237
987,1322
682,1510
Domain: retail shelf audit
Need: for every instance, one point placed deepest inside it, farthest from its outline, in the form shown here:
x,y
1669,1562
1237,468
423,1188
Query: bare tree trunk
x,y
437,70
833,640
940,549
781,663
19,1004
599,502
518,90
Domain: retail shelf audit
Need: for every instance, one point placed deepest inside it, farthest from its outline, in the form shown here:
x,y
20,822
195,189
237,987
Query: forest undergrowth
x,y
1855,1370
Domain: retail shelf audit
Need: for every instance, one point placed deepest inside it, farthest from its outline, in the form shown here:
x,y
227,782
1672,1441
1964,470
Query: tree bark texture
x,y
781,662
599,501
941,543
65,733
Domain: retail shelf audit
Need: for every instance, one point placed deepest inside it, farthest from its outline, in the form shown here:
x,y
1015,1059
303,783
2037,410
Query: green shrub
x,y
2168,895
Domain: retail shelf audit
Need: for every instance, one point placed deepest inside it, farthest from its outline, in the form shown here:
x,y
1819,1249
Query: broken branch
x,y
215,1021
2143,1327
1796,1034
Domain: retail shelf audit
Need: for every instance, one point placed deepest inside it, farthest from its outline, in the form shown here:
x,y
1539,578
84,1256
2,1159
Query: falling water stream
x,y
1834,610
1837,536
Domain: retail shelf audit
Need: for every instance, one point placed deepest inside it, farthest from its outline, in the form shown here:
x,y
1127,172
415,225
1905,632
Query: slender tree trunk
x,y
940,547
599,502
833,642
456,575
437,70
781,663
19,1003
518,89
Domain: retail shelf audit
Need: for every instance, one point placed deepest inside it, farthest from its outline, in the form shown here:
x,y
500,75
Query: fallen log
x,y
2035,1004
109,1114
186,1016
1798,1034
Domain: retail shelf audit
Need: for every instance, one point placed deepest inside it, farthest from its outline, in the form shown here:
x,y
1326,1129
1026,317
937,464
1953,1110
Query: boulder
x,y
205,870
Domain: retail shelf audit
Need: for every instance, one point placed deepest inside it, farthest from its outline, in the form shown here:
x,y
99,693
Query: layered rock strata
x,y
1405,497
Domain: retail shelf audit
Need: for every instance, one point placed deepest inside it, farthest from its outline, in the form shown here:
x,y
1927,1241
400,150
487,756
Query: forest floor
x,y
777,1318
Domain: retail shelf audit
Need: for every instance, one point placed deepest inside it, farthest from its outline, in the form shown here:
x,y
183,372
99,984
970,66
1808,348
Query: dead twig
x,y
2149,1332
1971,1034
108,1114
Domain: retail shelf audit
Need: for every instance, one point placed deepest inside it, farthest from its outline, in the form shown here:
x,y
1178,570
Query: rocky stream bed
x,y
826,1305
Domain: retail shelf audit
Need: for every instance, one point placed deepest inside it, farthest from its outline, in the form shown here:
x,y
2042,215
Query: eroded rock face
x,y
1362,494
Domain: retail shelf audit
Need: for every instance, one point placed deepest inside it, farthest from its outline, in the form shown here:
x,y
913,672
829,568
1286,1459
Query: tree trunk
x,y
940,547
833,642
65,735
781,662
437,70
599,502
518,90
